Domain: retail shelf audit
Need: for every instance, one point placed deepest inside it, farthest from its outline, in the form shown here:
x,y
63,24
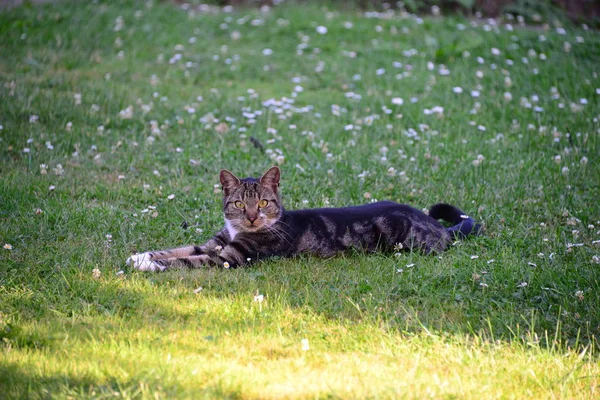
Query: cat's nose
x,y
251,219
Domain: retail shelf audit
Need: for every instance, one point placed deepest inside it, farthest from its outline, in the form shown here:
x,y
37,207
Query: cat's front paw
x,y
143,262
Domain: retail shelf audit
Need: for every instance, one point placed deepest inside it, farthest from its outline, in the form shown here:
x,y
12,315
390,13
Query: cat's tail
x,y
462,224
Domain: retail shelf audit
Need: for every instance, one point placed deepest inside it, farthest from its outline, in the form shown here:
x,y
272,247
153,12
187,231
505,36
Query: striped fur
x,y
257,227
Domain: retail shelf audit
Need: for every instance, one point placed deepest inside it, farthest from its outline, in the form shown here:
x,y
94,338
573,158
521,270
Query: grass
x,y
511,314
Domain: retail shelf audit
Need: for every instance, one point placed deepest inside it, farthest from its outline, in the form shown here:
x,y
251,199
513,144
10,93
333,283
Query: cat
x,y
257,227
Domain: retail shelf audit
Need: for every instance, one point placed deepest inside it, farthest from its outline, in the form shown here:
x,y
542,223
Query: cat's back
x,y
370,226
369,210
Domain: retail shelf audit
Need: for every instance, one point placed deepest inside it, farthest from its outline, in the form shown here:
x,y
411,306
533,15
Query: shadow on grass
x,y
17,382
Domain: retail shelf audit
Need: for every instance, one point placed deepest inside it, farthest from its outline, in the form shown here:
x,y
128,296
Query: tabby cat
x,y
257,226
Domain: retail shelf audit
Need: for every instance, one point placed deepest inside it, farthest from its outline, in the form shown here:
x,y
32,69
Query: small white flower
x,y
305,345
267,52
259,298
8,246
457,90
321,30
397,101
96,273
171,196
226,265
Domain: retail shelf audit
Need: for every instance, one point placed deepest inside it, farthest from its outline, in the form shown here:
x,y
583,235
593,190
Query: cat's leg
x,y
232,255
150,261
183,262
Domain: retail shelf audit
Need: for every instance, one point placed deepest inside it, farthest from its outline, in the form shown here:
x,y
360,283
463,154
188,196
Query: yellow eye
x,y
263,203
239,204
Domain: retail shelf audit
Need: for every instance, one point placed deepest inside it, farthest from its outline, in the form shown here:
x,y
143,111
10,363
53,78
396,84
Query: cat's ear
x,y
228,181
271,178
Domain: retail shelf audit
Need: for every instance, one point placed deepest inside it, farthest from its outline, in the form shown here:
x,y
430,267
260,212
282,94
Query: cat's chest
x,y
231,229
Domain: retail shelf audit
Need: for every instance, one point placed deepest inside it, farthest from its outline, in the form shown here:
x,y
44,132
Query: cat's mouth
x,y
257,225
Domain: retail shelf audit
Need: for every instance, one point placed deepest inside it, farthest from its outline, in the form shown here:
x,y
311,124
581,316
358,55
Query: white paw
x,y
143,262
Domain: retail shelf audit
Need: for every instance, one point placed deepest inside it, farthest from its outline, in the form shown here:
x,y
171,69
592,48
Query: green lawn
x,y
107,110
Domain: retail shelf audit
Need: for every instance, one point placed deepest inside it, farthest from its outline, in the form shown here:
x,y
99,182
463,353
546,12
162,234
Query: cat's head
x,y
250,204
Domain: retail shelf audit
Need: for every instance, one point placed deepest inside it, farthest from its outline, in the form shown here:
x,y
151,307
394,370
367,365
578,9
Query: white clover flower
x,y
58,170
267,52
305,345
457,89
96,273
397,101
321,30
348,25
259,298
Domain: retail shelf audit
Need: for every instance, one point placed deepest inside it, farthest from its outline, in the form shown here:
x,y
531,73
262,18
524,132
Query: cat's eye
x,y
263,203
239,204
